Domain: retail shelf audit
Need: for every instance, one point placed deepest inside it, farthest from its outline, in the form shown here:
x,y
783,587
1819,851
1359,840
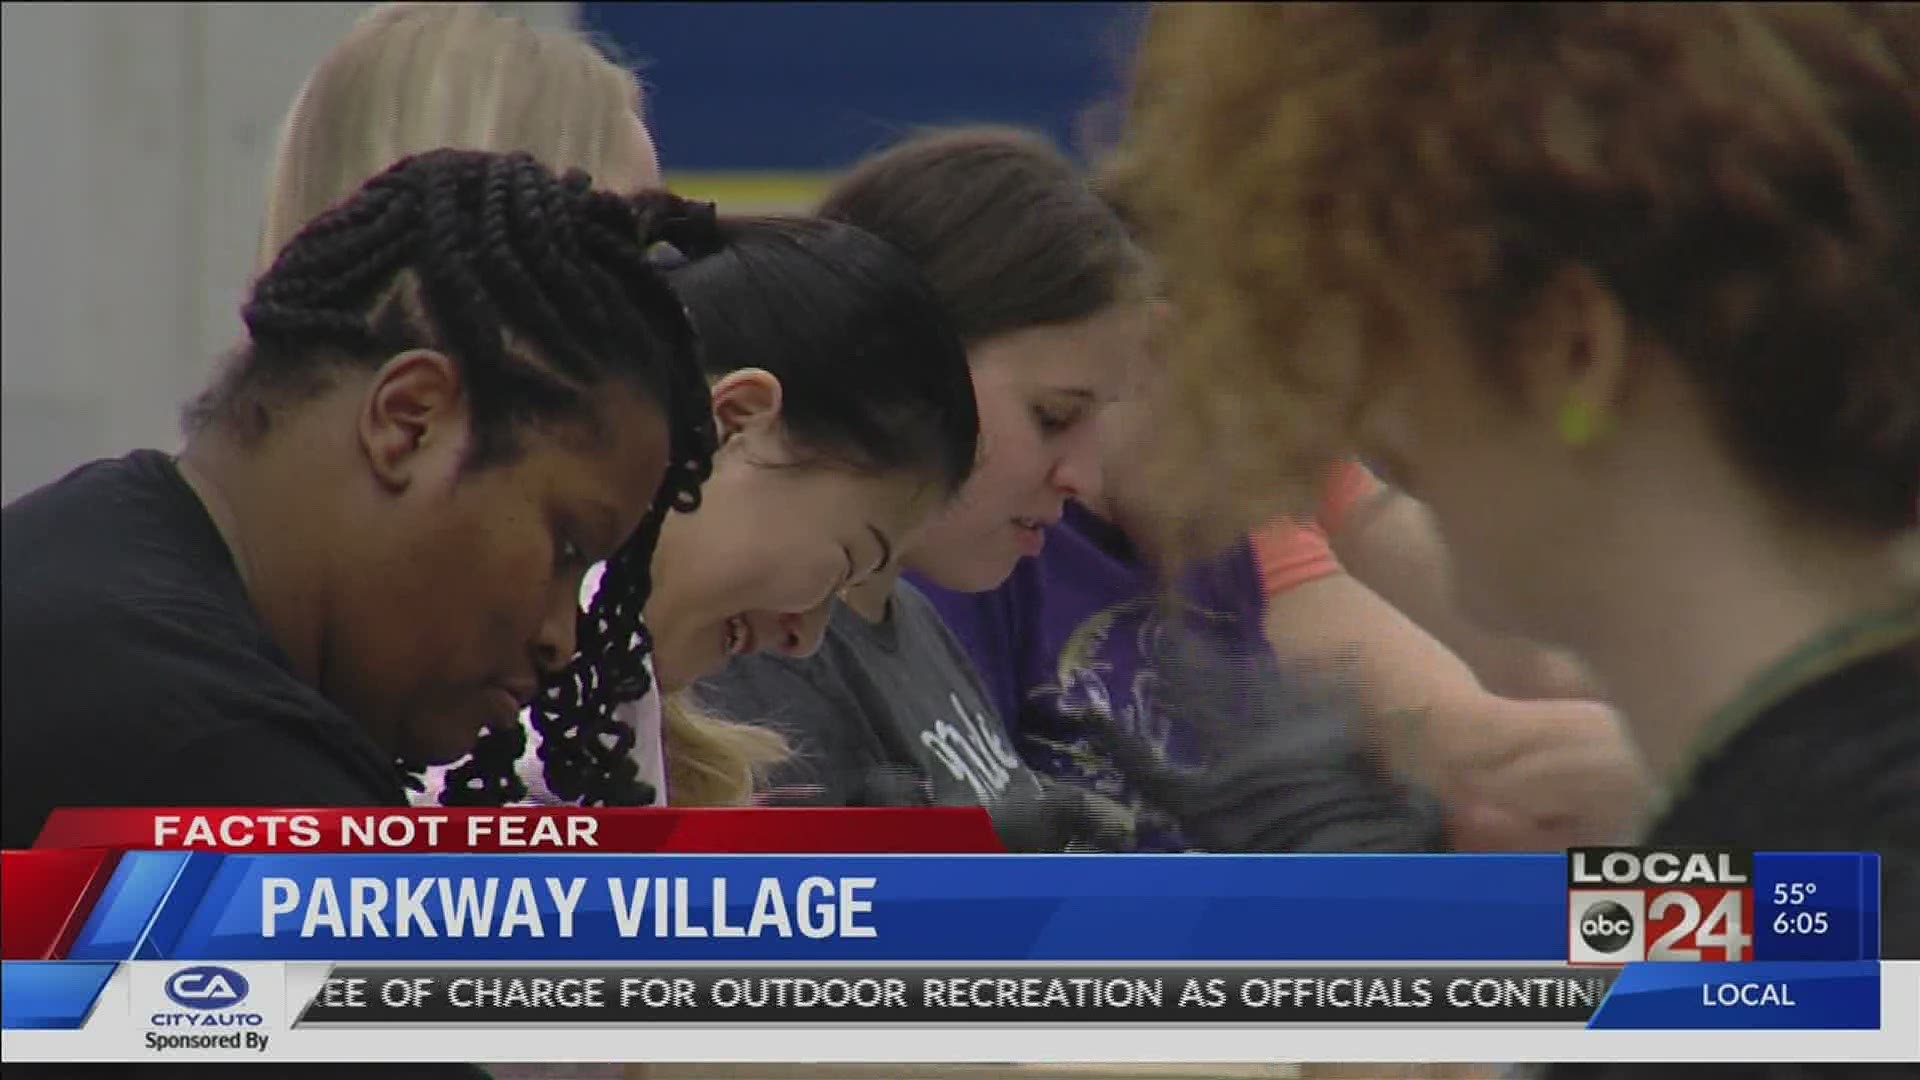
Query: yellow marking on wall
x,y
748,192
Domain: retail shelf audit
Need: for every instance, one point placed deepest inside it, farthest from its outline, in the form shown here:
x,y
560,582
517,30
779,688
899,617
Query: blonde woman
x,y
413,77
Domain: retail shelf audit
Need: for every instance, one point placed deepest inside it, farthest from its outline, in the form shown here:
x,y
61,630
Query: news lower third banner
x,y
234,954
1528,909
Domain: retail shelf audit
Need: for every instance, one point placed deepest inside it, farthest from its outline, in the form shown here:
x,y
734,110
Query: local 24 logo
x,y
1626,905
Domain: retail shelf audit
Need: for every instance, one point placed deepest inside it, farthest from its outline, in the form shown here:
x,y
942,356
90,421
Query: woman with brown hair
x,y
1629,296
1044,287
924,683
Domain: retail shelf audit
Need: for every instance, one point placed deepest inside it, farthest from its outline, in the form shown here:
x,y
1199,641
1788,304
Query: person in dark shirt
x,y
461,388
1659,382
1629,296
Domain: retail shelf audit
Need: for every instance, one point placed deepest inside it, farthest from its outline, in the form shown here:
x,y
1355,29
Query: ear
x,y
1576,352
746,400
414,417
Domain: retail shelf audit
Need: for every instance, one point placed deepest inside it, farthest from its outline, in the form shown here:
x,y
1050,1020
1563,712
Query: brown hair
x,y
999,221
1744,179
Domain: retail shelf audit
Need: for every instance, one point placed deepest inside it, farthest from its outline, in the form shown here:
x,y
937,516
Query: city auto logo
x,y
209,996
207,988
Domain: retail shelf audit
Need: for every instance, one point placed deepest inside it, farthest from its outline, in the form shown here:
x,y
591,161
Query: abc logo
x,y
207,987
1606,927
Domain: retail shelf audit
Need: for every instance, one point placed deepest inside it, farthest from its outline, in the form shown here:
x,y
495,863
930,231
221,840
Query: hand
x,y
1034,814
1284,772
1058,816
1545,787
1275,795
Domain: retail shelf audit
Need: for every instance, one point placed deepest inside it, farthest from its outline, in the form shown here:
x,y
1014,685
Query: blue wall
x,y
807,87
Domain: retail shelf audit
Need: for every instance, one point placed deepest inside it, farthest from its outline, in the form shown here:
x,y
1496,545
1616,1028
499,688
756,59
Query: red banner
x,y
797,831
45,897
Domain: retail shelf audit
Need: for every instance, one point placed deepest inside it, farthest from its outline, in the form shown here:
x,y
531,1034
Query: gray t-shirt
x,y
893,713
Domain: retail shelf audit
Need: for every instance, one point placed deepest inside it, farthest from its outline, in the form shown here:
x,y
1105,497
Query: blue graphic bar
x,y
189,886
50,995
1752,996
1351,908
1870,901
1820,906
933,908
141,886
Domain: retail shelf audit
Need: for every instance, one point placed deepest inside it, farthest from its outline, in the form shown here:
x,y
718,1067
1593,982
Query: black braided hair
x,y
585,750
540,289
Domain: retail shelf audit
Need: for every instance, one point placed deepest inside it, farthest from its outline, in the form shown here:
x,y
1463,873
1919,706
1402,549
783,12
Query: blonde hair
x,y
412,77
712,761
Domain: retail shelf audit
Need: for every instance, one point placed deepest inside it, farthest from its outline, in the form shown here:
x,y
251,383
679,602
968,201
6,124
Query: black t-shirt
x,y
1833,767
137,673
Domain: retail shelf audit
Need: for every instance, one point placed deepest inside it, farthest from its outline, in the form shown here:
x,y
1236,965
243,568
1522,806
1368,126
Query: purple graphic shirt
x,y
1077,629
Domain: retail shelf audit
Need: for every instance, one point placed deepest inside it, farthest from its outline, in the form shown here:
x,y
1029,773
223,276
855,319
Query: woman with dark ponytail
x,y
846,418
1047,291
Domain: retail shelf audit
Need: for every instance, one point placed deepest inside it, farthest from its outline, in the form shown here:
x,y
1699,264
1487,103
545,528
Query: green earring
x,y
1580,423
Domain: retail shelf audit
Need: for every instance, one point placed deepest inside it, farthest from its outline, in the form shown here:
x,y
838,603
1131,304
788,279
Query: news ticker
x,y
199,1000
143,1011
916,995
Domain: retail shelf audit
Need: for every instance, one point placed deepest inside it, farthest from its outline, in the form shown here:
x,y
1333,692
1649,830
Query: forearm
x,y
1392,547
1424,711
1405,682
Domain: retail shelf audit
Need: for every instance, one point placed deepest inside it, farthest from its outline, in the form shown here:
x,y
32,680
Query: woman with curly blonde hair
x,y
1629,296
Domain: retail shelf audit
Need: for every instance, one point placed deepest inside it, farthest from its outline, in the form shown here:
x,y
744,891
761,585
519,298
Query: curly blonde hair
x,y
1332,188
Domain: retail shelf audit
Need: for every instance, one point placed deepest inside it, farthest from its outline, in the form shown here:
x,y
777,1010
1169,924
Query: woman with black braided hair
x,y
852,366
460,389
413,77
